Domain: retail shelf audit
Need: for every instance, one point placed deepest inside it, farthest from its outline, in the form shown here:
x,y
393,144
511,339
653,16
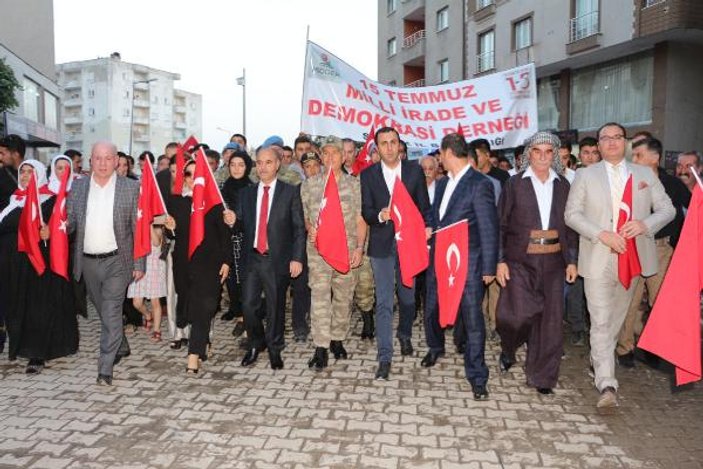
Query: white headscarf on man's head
x,y
541,138
17,201
54,181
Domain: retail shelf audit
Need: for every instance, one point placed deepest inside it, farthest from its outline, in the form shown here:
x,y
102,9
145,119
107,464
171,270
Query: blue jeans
x,y
386,273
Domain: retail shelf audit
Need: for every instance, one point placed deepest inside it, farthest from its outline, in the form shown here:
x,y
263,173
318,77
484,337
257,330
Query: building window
x,y
585,23
522,31
91,93
649,3
443,19
51,105
483,3
548,103
486,51
444,71
391,47
621,90
392,5
32,100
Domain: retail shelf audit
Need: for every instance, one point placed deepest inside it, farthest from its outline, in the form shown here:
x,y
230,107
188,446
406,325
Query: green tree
x,y
8,85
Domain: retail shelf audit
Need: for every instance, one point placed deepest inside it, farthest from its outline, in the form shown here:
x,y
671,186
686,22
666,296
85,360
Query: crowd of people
x,y
545,235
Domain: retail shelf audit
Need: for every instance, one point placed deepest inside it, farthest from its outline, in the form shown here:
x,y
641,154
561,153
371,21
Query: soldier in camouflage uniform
x,y
332,291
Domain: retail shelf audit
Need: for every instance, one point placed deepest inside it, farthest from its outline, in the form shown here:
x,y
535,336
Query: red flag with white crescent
x,y
410,237
331,240
30,223
206,195
363,159
149,204
451,264
629,261
58,231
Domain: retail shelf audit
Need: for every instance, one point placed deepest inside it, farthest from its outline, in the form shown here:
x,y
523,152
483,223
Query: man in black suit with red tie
x,y
273,248
376,188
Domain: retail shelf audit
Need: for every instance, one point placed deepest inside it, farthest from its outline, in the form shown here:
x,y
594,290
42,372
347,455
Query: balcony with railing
x,y
414,38
416,83
485,61
584,26
72,119
413,50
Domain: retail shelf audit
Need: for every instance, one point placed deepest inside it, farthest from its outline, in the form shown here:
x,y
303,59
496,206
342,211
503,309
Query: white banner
x,y
339,100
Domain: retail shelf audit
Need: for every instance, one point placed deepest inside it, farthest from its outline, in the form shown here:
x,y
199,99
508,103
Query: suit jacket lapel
x,y
382,180
115,204
530,189
275,202
603,177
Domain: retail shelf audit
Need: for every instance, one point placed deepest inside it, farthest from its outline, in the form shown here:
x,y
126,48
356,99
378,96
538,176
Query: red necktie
x,y
262,238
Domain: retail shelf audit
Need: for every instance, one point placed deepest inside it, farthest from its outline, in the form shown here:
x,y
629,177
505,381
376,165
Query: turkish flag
x,y
410,236
673,330
331,240
149,204
190,143
206,195
30,224
180,166
363,159
460,129
451,264
58,248
629,261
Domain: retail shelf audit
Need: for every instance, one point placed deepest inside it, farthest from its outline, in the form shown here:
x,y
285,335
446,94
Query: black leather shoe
x,y
338,350
431,358
238,329
104,380
276,360
319,359
120,356
545,391
250,357
504,363
627,360
384,368
480,392
406,347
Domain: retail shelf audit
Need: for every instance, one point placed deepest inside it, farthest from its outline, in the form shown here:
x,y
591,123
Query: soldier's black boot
x,y
338,350
319,359
367,332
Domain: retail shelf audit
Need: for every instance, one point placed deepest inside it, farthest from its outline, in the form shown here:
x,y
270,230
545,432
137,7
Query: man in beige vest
x,y
592,210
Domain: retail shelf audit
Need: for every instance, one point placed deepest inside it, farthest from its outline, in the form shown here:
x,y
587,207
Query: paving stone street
x,y
230,417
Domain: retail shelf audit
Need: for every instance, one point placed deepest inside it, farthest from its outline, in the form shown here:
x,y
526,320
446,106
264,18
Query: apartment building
x,y
632,61
29,52
135,106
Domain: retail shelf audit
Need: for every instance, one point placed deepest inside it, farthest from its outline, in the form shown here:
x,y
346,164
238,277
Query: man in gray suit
x,y
102,210
592,211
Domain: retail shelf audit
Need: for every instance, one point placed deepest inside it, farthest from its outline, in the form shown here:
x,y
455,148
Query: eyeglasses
x,y
608,138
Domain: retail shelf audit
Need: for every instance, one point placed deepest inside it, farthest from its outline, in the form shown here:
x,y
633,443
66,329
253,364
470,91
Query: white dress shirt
x,y
259,196
543,191
617,186
569,174
430,191
389,176
451,185
99,222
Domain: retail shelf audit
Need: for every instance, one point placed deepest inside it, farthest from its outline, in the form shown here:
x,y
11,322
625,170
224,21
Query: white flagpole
x,y
305,69
449,226
698,178
212,176
158,191
324,189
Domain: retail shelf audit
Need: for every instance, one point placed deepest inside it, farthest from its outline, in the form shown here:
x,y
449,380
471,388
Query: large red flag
x,y
58,249
410,237
206,195
629,261
331,240
451,264
149,204
180,165
190,143
30,223
363,159
673,330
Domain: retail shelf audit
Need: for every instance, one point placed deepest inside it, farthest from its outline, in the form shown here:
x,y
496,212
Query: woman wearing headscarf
x,y
198,278
41,318
239,167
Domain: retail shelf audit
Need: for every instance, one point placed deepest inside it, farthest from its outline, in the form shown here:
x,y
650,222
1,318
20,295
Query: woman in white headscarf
x,y
41,321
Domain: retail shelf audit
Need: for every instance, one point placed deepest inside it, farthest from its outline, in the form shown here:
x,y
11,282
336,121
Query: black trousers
x,y
261,277
301,303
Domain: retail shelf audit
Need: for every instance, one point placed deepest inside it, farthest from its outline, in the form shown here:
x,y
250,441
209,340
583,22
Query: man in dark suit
x,y
376,188
102,210
465,194
273,248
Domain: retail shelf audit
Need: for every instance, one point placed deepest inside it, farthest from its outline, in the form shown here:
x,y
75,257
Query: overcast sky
x,y
208,42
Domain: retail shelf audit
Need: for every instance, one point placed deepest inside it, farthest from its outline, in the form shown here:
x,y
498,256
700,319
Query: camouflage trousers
x,y
364,292
331,300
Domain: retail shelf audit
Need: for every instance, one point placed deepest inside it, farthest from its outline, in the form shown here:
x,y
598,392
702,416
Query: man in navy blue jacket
x,y
465,194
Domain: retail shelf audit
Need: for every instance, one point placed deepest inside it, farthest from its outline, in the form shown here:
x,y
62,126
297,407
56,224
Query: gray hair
x,y
541,138
435,165
104,143
691,153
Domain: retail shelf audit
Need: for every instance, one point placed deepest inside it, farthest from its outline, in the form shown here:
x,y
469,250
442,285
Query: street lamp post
x,y
131,112
242,81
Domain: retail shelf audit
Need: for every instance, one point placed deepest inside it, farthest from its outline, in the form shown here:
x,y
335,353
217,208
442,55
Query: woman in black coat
x,y
198,279
239,166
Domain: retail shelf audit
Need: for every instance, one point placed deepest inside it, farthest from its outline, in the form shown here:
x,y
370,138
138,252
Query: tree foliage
x,y
8,86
